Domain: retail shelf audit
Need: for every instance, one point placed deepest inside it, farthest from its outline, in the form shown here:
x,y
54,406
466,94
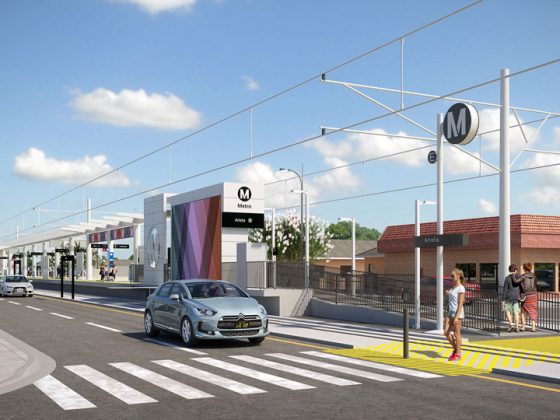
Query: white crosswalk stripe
x,y
14,303
380,366
112,386
296,371
61,316
161,381
34,308
103,327
203,375
65,397
272,379
337,368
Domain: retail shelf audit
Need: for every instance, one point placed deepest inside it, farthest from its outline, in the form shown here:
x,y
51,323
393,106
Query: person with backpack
x,y
530,300
510,298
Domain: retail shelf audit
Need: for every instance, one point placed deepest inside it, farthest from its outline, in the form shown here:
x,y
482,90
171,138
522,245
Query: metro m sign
x,y
460,124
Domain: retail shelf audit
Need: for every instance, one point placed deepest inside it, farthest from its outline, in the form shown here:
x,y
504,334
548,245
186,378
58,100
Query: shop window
x,y
469,270
489,274
371,268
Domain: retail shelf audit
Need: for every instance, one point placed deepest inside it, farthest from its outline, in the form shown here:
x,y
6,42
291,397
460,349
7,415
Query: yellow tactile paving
x,y
472,357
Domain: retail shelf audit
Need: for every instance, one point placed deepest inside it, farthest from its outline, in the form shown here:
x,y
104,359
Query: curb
x,y
525,375
37,365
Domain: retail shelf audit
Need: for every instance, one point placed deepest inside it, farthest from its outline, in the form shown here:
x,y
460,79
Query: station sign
x,y
98,246
61,250
460,124
432,241
432,157
121,246
35,253
243,220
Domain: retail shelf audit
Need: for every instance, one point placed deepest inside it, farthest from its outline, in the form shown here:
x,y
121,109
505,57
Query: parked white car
x,y
15,285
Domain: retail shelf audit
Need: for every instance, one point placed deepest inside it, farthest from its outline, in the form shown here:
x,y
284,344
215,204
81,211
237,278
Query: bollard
x,y
405,333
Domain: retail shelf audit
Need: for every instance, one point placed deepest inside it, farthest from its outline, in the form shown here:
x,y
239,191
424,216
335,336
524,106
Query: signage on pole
x,y
432,157
98,246
111,256
433,241
61,250
243,220
460,124
121,246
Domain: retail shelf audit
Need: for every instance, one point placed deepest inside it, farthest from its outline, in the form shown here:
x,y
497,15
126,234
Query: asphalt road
x,y
126,357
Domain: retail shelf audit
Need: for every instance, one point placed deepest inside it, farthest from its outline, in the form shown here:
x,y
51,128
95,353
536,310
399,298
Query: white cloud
x,y
250,83
157,6
487,207
279,194
34,164
135,108
547,180
557,135
490,120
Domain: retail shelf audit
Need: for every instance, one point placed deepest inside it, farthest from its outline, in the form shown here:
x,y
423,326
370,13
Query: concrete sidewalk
x,y
544,366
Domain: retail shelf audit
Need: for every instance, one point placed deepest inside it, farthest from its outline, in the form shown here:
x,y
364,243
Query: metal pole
x,y
439,250
417,266
73,259
306,241
301,203
405,333
62,278
353,289
504,238
273,248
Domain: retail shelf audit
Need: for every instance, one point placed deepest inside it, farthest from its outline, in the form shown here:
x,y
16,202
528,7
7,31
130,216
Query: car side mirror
x,y
174,296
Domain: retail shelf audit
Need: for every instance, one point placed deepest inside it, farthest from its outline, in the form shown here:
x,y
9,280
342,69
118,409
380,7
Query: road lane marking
x,y
112,386
92,306
203,375
34,308
337,368
60,315
272,379
1,298
103,327
296,371
14,303
161,381
65,397
174,346
298,343
380,366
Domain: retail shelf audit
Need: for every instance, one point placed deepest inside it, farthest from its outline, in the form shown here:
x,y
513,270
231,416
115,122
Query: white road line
x,y
272,379
163,343
103,327
341,369
373,365
14,303
62,316
66,398
164,382
112,386
210,377
296,371
34,308
1,298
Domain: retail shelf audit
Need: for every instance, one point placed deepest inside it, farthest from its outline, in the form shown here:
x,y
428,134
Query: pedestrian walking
x,y
530,306
102,273
111,276
510,298
455,313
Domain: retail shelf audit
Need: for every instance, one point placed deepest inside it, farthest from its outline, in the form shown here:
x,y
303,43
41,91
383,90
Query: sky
x,y
181,94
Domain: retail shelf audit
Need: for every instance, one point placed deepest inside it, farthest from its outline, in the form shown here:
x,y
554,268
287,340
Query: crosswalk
x,y
261,371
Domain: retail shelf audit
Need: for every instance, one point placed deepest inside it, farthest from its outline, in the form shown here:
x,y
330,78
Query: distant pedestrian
x,y
111,276
102,273
510,298
530,306
455,314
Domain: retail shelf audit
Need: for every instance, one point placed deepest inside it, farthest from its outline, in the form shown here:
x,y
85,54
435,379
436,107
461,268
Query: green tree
x,y
343,230
288,237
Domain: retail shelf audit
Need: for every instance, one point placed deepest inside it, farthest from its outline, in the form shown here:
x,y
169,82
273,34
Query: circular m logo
x,y
460,124
244,193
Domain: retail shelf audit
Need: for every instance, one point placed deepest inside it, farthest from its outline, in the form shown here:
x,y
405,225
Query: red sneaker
x,y
452,357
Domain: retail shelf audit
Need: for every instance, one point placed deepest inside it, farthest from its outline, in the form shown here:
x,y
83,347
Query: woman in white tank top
x,y
455,313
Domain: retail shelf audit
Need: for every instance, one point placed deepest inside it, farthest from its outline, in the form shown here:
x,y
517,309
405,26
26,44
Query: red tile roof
x,y
528,231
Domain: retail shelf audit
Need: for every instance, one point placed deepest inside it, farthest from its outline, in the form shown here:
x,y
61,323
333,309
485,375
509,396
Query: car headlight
x,y
263,310
205,312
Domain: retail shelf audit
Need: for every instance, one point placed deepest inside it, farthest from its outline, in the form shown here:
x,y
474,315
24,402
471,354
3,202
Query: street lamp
x,y
418,203
301,198
302,192
353,220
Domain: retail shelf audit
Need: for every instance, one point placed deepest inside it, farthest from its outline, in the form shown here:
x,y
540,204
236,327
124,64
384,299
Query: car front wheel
x,y
151,330
187,332
256,340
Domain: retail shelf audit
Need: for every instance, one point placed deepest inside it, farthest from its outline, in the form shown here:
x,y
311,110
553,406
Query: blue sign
x,y
111,256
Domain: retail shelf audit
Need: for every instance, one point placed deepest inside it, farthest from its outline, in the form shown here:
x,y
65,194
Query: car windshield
x,y
16,279
212,289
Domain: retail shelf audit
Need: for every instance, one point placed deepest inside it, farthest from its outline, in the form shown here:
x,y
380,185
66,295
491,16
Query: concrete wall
x,y
283,302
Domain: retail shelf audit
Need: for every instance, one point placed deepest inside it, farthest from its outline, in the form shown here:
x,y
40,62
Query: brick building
x,y
533,238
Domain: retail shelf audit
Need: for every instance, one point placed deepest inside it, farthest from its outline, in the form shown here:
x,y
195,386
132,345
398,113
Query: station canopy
x,y
116,221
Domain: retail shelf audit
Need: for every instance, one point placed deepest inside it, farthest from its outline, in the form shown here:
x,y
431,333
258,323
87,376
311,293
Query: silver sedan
x,y
205,310
15,285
